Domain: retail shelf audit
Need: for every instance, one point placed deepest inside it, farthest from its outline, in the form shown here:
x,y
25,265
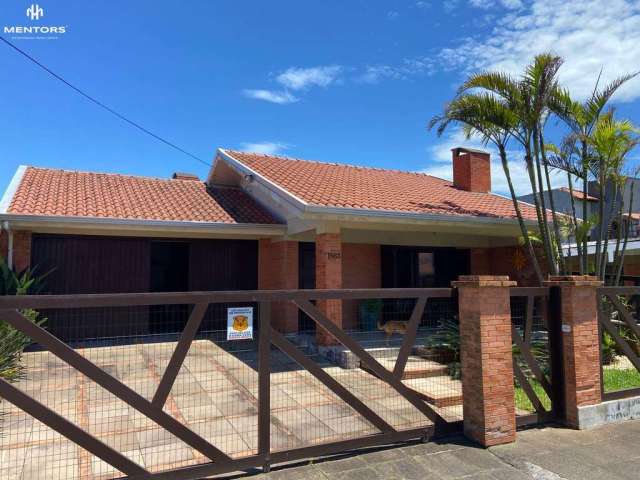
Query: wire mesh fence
x,y
619,311
216,394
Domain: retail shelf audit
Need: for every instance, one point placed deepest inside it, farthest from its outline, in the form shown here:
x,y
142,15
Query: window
x,y
426,269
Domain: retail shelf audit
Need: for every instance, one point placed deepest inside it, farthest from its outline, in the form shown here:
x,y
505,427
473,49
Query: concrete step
x,y
417,367
439,391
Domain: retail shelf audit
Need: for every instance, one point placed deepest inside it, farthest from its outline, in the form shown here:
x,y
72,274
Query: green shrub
x,y
609,349
447,338
12,341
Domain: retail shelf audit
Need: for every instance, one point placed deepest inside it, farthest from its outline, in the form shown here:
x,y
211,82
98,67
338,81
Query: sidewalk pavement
x,y
610,452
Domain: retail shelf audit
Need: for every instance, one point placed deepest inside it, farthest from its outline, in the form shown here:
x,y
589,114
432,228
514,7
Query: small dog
x,y
393,326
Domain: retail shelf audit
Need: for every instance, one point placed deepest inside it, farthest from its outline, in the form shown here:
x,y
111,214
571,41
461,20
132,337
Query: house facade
x,y
261,222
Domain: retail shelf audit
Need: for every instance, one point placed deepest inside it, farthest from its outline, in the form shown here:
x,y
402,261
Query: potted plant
x,y
369,313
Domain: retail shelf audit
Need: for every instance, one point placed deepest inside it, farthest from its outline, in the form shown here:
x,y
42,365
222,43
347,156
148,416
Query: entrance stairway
x,y
430,379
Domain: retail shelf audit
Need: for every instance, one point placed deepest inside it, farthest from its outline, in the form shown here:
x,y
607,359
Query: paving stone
x,y
342,465
309,472
358,474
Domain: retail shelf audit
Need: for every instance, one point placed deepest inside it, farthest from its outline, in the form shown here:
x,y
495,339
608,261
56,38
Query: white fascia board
x,y
274,187
7,197
100,222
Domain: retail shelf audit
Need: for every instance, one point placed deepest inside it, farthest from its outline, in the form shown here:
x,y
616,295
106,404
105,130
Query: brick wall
x,y
4,240
511,261
328,276
278,270
21,249
360,269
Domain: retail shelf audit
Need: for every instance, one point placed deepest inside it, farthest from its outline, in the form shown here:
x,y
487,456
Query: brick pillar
x,y
580,342
329,275
21,250
486,357
4,244
278,270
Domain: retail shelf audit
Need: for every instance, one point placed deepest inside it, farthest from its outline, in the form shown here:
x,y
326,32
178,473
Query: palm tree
x,y
524,102
500,108
610,143
491,118
581,118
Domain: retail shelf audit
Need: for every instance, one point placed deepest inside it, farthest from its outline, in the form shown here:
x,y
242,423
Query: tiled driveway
x,y
215,394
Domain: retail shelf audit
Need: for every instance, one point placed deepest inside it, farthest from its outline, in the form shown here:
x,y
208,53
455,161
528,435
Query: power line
x,y
100,104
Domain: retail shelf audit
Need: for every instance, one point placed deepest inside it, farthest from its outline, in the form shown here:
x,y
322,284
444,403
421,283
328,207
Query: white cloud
x,y
423,4
441,164
303,78
589,35
392,15
450,5
267,148
270,96
486,4
408,67
297,80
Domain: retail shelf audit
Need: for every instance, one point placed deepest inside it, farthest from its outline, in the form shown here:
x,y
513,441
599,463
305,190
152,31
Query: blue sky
x,y
350,82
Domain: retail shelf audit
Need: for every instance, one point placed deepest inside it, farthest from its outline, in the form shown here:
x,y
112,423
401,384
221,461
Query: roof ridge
x,y
338,164
111,174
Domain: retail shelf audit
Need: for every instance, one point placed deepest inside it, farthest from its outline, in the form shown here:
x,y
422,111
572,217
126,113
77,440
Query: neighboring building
x,y
562,201
259,222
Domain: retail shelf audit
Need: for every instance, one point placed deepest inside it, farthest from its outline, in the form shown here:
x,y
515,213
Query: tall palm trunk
x,y
523,228
554,215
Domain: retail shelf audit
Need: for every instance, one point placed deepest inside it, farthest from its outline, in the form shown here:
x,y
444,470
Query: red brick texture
x,y
21,250
360,269
511,261
329,275
471,171
486,357
581,345
4,240
278,270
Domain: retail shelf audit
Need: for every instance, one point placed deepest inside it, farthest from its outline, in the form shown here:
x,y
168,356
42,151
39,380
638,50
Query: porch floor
x,y
215,395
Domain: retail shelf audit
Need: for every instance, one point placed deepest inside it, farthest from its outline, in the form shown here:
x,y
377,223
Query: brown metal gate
x,y
409,393
537,357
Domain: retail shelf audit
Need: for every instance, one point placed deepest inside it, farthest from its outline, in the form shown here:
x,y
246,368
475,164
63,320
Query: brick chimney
x,y
471,170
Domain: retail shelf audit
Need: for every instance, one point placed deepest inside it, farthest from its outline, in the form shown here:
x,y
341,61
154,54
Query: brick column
x,y
329,275
486,356
278,270
580,342
21,250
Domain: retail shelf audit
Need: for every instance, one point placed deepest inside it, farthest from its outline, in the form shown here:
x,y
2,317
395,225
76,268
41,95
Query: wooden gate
x,y
537,359
361,392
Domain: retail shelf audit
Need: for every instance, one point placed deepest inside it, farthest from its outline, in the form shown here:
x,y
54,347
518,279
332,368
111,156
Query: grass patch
x,y
523,402
618,379
614,380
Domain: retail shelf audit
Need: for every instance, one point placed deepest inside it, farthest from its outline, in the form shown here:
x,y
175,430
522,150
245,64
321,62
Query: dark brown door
x,y
306,279
169,272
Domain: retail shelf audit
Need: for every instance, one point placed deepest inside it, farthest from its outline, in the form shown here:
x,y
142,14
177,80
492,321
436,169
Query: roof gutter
x,y
394,214
105,222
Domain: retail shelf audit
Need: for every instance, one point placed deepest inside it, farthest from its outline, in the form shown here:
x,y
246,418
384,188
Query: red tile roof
x,y
578,194
347,186
44,191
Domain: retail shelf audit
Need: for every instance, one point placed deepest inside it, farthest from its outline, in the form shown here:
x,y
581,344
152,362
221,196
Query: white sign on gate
x,y
240,323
